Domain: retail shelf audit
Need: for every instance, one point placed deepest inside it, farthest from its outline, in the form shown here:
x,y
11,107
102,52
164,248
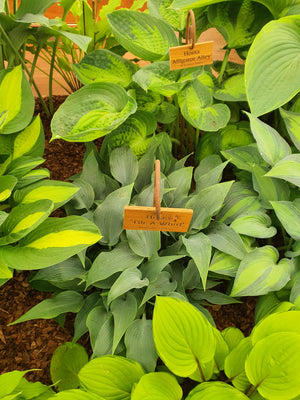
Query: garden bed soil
x,y
30,345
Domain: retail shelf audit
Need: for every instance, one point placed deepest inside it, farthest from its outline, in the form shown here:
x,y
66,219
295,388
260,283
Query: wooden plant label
x,y
187,57
144,219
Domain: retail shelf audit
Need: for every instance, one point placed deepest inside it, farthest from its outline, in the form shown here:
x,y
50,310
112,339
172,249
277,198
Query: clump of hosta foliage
x,y
29,238
219,365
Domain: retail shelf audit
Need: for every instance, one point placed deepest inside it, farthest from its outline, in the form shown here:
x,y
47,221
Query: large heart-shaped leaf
x,y
272,65
92,112
145,36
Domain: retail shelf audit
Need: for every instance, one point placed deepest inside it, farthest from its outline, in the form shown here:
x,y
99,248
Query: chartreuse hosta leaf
x,y
30,141
157,385
9,381
259,273
196,104
288,169
76,394
23,219
272,65
147,37
53,241
270,143
7,184
215,390
272,366
186,349
232,336
104,66
292,123
92,112
288,213
16,102
256,224
111,377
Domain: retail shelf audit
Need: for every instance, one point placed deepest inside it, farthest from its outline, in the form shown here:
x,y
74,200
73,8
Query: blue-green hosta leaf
x,y
292,123
104,66
144,243
30,141
163,285
16,102
145,36
272,65
157,385
199,248
233,89
224,264
259,273
23,219
56,191
270,143
288,213
244,157
66,362
152,268
161,9
60,303
209,172
123,165
76,394
53,241
92,112
140,344
180,180
215,390
272,366
111,377
256,224
196,104
7,184
287,169
186,346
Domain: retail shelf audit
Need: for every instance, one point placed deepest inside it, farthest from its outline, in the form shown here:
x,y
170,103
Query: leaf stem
x,y
223,66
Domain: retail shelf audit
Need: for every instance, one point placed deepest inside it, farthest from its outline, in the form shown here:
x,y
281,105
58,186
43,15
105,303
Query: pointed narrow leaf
x,y
123,165
163,285
157,385
288,214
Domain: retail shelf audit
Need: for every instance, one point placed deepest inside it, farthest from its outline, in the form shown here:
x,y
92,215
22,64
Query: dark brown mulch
x,y
31,344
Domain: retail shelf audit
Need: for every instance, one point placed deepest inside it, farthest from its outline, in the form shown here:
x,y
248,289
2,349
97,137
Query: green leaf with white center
x,y
225,239
271,144
158,386
199,248
215,390
272,366
287,169
161,9
60,303
7,184
129,279
111,377
224,264
140,344
186,346
104,66
144,243
53,241
288,213
23,219
109,214
196,104
92,112
292,123
56,191
123,165
272,65
30,141
17,105
255,224
259,273
145,36
76,394
233,89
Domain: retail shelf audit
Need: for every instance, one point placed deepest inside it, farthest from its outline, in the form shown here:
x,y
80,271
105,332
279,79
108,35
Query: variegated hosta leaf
x,y
145,36
215,390
158,78
21,166
292,123
56,191
244,157
272,66
224,264
53,241
288,169
16,100
161,9
259,273
23,219
157,385
32,177
256,224
196,104
149,101
134,132
288,213
31,141
233,89
184,347
7,184
104,66
92,112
